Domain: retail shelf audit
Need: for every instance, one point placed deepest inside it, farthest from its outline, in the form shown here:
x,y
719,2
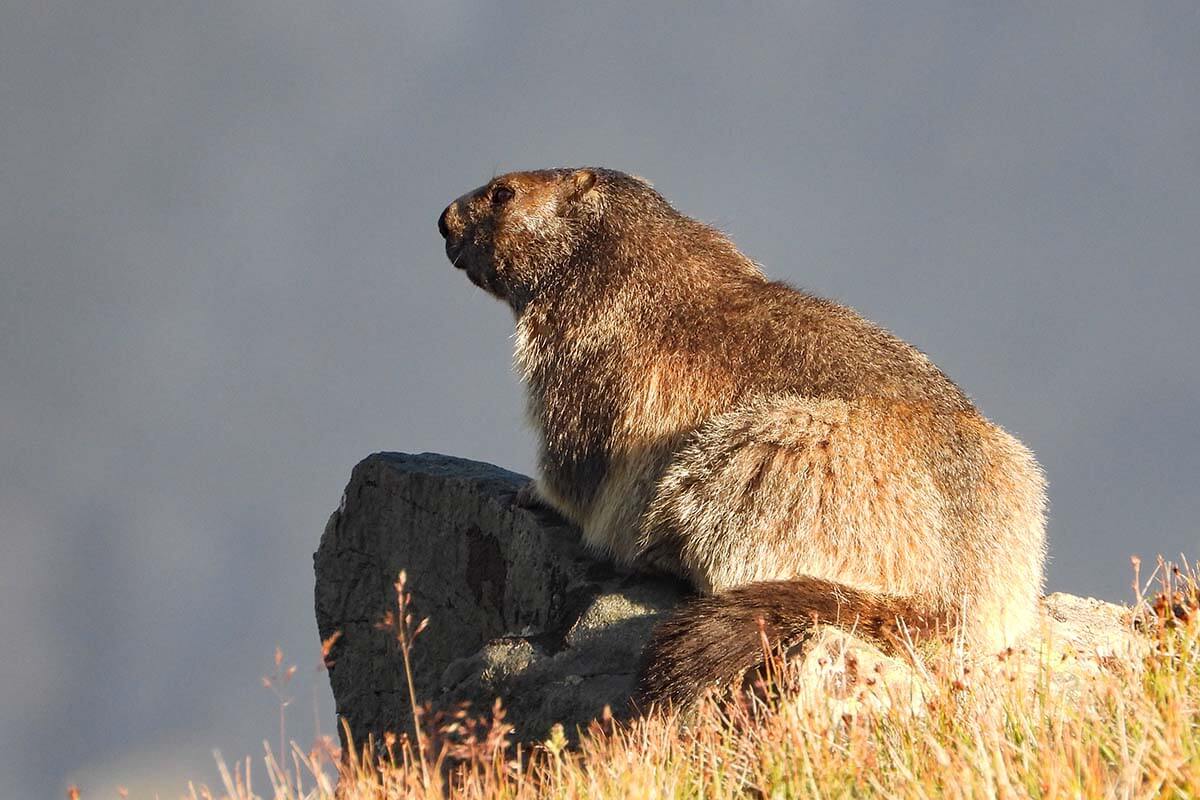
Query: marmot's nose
x,y
442,229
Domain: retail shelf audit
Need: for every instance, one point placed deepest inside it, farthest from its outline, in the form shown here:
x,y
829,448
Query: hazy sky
x,y
221,285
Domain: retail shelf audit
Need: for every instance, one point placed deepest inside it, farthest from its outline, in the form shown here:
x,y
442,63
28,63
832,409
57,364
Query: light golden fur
x,y
780,452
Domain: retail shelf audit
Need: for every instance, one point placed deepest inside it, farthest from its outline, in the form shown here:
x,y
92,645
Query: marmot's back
x,y
774,339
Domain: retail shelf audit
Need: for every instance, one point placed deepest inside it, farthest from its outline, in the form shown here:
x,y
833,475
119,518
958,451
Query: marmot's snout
x,y
450,226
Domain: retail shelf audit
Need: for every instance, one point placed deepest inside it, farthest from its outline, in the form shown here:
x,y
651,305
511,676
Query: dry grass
x,y
1133,736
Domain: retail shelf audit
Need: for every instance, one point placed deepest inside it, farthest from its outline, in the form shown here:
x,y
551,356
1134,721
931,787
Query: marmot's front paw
x,y
527,497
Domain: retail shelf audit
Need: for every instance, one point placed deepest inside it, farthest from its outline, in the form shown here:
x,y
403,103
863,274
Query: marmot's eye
x,y
501,195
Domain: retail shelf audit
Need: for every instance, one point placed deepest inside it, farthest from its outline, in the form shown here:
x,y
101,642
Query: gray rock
x,y
1077,640
519,610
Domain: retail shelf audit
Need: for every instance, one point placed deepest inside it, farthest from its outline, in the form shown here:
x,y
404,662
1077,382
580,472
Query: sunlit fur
x,y
786,456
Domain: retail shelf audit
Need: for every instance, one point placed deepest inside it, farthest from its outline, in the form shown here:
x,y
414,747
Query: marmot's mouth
x,y
455,255
484,278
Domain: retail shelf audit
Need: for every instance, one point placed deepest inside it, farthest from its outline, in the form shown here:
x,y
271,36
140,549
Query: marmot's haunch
x,y
790,459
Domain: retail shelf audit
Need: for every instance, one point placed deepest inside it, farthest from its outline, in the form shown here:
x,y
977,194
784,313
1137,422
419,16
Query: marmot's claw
x,y
527,497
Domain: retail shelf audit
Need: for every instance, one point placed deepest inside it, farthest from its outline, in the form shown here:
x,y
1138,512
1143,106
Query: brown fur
x,y
698,418
716,640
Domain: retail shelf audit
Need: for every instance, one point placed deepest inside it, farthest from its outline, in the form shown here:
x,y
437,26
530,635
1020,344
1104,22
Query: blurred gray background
x,y
221,285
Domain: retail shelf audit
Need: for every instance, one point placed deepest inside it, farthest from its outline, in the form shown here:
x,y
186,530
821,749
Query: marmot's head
x,y
515,234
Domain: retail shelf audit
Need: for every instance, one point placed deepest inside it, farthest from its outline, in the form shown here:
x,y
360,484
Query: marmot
x,y
790,459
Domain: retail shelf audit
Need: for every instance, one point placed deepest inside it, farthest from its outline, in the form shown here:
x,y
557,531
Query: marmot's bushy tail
x,y
716,640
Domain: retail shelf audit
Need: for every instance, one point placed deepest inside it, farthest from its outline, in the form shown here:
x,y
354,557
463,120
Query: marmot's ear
x,y
582,180
578,194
